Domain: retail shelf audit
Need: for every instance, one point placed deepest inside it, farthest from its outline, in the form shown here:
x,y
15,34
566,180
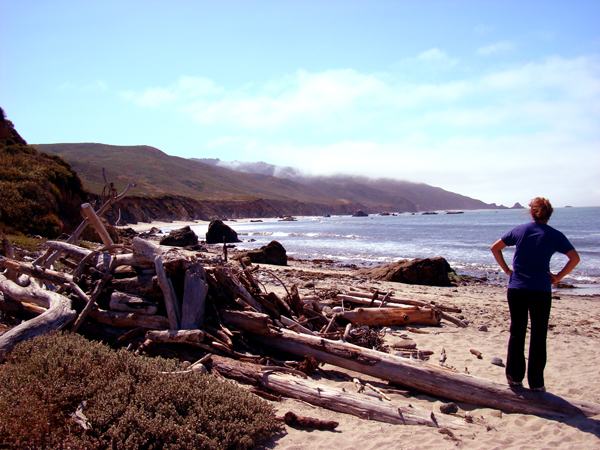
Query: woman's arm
x,y
570,265
496,249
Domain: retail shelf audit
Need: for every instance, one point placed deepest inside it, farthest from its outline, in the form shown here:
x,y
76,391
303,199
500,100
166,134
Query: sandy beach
x,y
573,368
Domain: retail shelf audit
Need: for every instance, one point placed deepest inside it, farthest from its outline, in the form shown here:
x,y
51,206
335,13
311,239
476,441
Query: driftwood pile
x,y
149,297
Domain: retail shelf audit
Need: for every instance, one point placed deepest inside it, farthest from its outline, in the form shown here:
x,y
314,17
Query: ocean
x,y
462,239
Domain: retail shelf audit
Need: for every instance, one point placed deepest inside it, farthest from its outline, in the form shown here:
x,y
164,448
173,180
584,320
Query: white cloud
x,y
95,86
432,60
498,47
185,89
473,135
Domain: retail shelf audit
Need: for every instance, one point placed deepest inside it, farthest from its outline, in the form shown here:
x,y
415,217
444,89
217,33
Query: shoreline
x,y
579,289
571,371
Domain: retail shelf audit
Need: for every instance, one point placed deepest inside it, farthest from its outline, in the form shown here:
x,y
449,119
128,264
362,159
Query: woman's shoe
x,y
515,383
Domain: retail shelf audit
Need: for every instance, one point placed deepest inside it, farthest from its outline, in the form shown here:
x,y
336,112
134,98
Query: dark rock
x,y
497,361
428,272
449,408
182,237
217,231
360,213
272,253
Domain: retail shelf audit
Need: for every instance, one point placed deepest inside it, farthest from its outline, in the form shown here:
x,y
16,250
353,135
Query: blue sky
x,y
497,100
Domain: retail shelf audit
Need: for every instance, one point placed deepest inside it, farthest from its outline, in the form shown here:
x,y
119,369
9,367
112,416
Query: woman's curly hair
x,y
540,209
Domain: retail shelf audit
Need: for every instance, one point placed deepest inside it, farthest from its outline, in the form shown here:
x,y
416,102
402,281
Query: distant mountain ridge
x,y
381,194
160,175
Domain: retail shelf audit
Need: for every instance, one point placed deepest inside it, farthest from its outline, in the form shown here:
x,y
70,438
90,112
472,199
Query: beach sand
x,y
573,369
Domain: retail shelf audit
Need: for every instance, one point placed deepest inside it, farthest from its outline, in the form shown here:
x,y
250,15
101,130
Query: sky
x,y
495,100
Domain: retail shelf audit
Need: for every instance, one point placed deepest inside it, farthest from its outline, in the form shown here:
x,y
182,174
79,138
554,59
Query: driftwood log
x,y
194,297
335,399
415,374
393,316
359,299
59,313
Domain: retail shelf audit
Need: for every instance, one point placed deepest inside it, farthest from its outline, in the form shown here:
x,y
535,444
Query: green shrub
x,y
129,404
40,193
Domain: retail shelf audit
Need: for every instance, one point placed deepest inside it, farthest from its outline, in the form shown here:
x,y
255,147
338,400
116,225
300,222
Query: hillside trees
x,y
40,193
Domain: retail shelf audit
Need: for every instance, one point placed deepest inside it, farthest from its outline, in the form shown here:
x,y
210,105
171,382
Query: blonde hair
x,y
540,209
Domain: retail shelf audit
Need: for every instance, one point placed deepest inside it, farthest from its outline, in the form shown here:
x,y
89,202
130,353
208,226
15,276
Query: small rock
x,y
449,408
483,328
497,361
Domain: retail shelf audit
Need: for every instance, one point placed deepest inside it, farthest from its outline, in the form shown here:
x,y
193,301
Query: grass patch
x,y
129,404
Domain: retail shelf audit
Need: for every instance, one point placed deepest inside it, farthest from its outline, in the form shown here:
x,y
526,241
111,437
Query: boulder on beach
x,y
272,253
427,272
360,213
217,231
182,237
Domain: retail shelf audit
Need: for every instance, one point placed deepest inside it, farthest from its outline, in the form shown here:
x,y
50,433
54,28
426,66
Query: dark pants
x,y
535,304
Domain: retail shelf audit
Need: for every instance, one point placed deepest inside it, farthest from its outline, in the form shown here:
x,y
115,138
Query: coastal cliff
x,y
132,209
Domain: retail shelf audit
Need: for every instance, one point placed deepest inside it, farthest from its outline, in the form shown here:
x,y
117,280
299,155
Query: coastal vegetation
x,y
40,193
53,382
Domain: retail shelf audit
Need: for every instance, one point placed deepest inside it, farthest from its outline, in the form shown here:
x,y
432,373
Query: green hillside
x,y
157,173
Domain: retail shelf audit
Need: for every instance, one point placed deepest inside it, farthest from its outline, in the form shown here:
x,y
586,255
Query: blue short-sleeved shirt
x,y
536,243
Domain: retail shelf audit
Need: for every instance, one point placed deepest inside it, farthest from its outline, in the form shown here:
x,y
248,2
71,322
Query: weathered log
x,y
129,320
194,298
50,256
234,289
171,302
295,301
284,307
246,320
73,251
405,344
221,335
268,306
450,318
331,398
176,336
121,301
292,324
425,377
399,303
145,286
146,250
18,309
91,303
39,272
58,315
94,220
393,316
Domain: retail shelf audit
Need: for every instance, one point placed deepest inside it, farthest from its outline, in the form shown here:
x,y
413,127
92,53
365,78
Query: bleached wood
x,y
422,376
129,320
335,399
57,316
120,301
171,302
393,316
194,297
176,336
89,212
295,326
39,272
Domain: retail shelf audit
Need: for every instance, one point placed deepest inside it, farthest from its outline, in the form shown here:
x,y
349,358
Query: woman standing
x,y
530,290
